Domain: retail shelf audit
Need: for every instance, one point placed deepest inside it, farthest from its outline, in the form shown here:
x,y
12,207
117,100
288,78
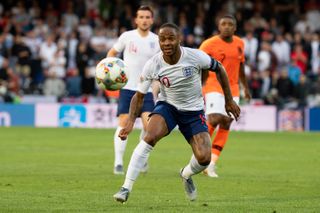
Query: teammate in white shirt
x,y
180,103
137,46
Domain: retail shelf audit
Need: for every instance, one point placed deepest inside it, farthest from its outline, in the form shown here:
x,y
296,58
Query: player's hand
x,y
123,134
232,109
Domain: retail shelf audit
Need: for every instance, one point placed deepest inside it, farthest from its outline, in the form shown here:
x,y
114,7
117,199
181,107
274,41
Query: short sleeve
x,y
204,60
120,44
146,77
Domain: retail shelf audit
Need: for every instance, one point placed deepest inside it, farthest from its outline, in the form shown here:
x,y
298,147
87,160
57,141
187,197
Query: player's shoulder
x,y
128,33
155,59
209,42
193,53
190,51
153,35
212,39
153,64
237,39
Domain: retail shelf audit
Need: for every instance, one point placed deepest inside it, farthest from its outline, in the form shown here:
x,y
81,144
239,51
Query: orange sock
x,y
210,129
219,141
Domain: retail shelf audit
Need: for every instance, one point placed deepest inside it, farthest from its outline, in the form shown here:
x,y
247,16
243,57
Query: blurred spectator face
x,y
144,20
275,75
288,37
3,88
315,37
279,38
227,27
249,35
265,46
4,63
284,74
265,74
18,39
303,79
50,39
297,38
190,39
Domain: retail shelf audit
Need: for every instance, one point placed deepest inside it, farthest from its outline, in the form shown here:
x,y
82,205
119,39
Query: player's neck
x,y
228,39
174,58
143,33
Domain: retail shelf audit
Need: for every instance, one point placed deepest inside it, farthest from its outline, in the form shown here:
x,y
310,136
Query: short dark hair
x,y
230,17
145,8
171,25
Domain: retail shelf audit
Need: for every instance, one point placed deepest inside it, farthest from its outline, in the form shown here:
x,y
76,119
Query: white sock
x,y
139,157
214,158
119,148
192,168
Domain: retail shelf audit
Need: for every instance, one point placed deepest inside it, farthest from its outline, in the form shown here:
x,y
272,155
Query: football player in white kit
x,y
138,46
180,102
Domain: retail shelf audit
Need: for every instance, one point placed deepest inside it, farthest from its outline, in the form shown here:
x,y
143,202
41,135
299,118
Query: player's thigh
x,y
156,129
215,103
201,147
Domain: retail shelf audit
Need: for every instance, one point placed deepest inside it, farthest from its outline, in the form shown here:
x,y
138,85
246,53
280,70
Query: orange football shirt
x,y
230,55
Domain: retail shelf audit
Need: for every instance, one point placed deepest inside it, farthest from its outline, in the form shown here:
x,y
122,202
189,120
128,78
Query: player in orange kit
x,y
229,50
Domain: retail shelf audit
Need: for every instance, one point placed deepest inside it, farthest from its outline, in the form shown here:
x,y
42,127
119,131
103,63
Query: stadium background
x,y
48,51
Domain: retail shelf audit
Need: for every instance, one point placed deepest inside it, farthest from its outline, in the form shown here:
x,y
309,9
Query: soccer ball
x,y
111,73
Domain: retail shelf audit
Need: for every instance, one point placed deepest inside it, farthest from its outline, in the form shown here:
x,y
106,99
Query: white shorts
x,y
215,103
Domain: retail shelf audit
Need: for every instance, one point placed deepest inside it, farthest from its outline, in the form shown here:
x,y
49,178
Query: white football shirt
x,y
180,83
137,50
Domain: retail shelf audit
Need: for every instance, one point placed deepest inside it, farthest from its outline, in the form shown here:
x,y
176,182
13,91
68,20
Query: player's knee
x,y
150,138
226,122
214,120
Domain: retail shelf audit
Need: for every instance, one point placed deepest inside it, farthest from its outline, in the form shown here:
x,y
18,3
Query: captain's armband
x,y
213,65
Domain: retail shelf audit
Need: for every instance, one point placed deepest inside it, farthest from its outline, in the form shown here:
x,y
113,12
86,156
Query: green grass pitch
x,y
70,170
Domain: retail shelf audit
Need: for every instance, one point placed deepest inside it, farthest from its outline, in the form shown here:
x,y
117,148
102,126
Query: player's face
x,y
227,27
169,40
144,20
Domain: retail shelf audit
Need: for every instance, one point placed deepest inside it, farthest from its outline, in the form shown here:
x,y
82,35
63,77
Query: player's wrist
x,y
228,99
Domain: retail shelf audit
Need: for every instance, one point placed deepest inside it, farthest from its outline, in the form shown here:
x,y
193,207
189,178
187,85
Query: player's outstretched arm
x,y
134,112
231,106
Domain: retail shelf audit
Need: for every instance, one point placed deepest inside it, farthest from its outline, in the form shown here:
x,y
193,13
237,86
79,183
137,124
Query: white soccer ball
x,y
111,73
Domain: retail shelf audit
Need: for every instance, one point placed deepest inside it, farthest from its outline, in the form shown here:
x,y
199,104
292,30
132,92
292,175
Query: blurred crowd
x,y
51,48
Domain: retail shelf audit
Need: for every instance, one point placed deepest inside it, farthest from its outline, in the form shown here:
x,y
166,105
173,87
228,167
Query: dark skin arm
x,y
134,111
230,105
244,82
204,76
